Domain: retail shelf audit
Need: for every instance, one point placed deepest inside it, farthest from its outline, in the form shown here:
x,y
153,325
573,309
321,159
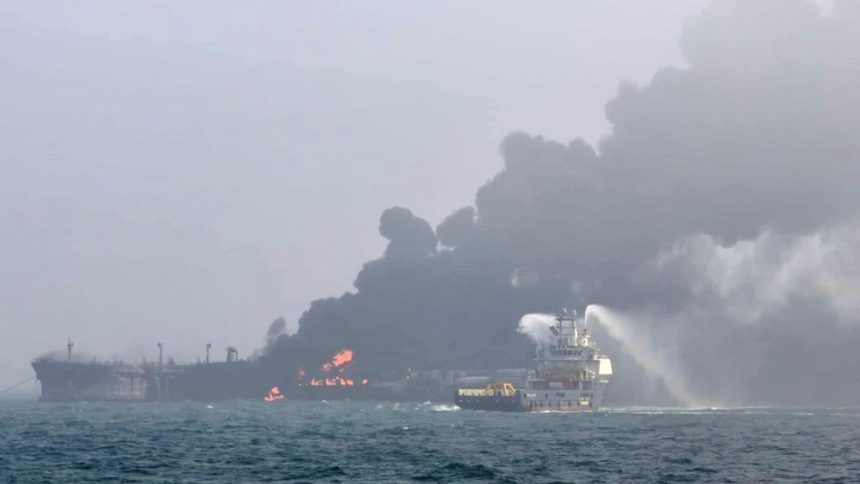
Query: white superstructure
x,y
570,373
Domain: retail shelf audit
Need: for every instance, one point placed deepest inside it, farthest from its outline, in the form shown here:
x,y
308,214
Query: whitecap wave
x,y
444,408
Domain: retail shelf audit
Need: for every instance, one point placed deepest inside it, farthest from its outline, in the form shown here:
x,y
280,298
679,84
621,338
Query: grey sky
x,y
186,172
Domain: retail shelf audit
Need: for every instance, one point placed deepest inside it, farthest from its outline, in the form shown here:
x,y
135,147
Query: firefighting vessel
x,y
570,374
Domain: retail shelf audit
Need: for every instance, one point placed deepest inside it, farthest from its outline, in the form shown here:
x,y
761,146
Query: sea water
x,y
344,441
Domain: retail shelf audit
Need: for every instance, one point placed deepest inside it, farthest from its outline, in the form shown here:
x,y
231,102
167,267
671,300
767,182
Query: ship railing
x,y
472,392
113,363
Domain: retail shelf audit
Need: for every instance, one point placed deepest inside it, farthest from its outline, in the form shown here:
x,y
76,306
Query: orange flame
x,y
274,394
339,360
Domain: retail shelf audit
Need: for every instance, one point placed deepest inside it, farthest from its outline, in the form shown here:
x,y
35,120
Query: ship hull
x,y
115,382
207,382
565,400
537,400
511,403
69,382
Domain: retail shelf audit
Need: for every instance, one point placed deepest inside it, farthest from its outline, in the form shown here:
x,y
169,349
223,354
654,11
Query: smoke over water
x,y
718,220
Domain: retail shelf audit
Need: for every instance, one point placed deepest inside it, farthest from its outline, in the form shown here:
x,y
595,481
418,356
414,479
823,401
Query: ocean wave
x,y
444,408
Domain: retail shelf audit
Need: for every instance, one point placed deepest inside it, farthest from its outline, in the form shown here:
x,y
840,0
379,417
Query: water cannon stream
x,y
643,351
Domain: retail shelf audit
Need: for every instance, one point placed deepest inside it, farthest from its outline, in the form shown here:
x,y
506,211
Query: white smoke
x,y
745,313
757,277
536,327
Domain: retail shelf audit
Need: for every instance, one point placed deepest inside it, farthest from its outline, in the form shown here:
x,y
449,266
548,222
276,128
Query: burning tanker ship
x,y
70,380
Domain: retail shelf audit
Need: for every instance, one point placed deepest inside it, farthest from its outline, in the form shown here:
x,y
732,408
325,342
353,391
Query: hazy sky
x,y
186,172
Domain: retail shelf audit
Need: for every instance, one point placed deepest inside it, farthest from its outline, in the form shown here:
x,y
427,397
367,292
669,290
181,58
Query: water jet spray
x,y
640,347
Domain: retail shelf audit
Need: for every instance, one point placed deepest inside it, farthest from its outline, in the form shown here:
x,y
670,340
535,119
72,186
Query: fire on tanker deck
x,y
336,379
331,380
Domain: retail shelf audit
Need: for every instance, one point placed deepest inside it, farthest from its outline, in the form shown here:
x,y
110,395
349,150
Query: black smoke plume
x,y
756,136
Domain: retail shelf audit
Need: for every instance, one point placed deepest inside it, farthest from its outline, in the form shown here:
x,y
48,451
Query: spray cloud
x,y
536,327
